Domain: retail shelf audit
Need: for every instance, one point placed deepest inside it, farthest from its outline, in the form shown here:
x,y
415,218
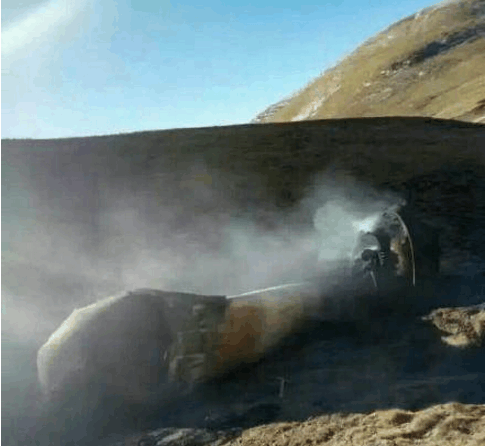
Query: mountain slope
x,y
431,64
171,196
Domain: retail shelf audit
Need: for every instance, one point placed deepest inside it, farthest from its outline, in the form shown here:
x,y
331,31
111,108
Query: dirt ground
x,y
445,424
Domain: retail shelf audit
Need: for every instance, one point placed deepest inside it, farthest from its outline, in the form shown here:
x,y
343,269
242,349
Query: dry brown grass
x,y
445,424
376,80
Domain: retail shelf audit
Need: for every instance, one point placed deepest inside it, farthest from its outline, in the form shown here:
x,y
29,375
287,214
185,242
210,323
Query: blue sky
x,y
95,67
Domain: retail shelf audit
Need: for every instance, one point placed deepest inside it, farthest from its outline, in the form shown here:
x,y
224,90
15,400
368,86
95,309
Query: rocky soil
x,y
375,391
443,424
465,325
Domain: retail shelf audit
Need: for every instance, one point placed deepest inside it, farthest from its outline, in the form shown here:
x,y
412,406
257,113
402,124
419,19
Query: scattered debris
x,y
465,325
181,437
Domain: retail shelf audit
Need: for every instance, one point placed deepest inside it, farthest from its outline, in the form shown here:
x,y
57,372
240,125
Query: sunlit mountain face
x,y
428,64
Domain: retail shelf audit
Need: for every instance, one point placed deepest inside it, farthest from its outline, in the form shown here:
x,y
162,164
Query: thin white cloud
x,y
41,25
52,57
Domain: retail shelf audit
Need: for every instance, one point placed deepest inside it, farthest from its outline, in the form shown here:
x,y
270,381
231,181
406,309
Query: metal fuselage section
x,y
140,345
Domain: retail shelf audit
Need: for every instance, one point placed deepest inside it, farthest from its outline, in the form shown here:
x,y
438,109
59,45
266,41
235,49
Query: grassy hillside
x,y
429,64
158,208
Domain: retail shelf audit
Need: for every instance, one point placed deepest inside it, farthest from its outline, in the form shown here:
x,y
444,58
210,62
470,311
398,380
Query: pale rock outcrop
x,y
465,325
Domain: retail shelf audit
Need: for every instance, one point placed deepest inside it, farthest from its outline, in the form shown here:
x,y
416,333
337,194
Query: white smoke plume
x,y
198,243
183,234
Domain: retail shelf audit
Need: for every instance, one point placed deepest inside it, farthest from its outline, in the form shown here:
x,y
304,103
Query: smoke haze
x,y
64,250
196,241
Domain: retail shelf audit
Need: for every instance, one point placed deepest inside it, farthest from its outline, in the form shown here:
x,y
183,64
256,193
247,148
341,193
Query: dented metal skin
x,y
147,346
144,343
